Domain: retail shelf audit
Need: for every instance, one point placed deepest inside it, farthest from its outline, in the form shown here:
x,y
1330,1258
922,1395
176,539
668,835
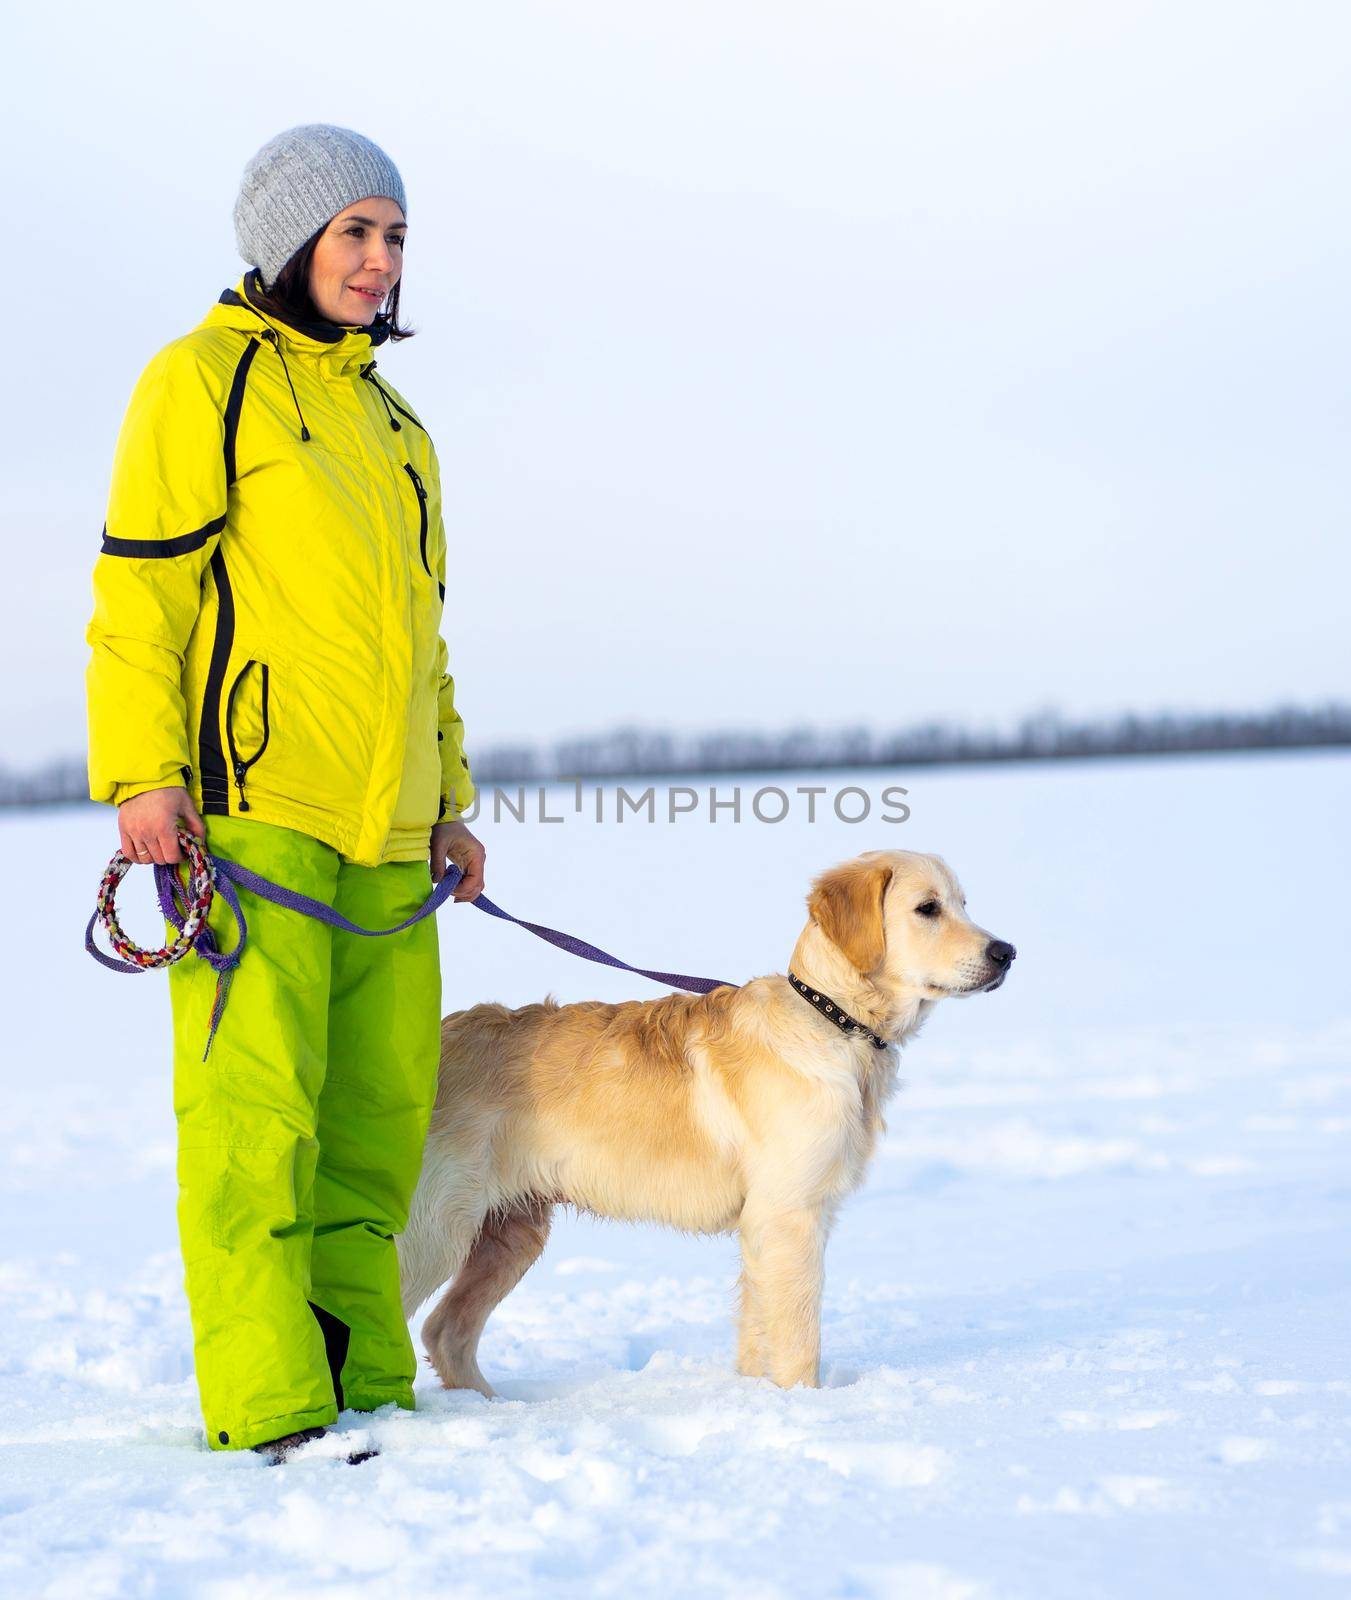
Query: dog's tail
x,y
424,1254
449,1205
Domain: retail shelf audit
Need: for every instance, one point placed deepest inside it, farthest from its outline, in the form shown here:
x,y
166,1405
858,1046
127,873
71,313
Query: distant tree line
x,y
646,753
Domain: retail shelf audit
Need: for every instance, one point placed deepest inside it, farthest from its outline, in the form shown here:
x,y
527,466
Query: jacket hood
x,y
338,349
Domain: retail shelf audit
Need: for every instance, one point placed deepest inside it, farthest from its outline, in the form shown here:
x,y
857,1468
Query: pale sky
x,y
834,363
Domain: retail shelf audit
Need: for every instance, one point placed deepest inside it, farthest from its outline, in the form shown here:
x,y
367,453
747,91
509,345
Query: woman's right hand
x,y
149,825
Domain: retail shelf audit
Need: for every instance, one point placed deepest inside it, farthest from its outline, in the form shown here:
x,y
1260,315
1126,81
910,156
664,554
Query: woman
x,y
268,673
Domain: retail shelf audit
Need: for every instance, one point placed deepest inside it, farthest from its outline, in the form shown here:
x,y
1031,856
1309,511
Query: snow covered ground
x,y
1086,1328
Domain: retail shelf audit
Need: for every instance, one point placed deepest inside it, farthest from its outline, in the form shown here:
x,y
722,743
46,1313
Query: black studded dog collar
x,y
836,1013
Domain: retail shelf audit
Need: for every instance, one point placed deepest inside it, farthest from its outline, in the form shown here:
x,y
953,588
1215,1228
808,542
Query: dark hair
x,y
289,297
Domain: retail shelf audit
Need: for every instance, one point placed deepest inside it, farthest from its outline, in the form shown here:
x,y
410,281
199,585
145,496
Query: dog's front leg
x,y
750,1338
782,1254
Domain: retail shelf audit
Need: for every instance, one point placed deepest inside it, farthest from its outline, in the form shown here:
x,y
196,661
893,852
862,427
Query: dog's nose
x,y
1000,952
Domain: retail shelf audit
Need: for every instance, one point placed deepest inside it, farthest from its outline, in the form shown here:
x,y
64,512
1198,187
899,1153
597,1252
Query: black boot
x,y
279,1450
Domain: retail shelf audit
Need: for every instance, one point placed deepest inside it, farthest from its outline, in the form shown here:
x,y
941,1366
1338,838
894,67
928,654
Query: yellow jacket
x,y
267,601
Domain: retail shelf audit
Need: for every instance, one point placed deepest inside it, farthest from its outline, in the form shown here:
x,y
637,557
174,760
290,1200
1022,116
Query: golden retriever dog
x,y
752,1110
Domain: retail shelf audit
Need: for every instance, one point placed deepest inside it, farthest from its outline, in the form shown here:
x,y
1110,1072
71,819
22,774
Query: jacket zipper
x,y
237,762
421,493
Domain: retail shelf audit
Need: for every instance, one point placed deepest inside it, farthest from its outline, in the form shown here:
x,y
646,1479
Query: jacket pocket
x,y
247,722
420,490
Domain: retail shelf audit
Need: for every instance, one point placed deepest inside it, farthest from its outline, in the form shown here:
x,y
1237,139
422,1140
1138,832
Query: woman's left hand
x,y
454,840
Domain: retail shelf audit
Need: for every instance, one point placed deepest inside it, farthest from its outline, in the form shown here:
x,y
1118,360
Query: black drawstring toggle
x,y
270,335
368,372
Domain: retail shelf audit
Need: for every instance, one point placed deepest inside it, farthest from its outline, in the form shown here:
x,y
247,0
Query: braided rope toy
x,y
200,893
186,909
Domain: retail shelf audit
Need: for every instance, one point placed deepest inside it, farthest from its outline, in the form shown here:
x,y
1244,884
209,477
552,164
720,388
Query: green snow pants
x,y
300,1138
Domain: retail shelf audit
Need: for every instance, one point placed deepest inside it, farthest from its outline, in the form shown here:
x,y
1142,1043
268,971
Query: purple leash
x,y
229,874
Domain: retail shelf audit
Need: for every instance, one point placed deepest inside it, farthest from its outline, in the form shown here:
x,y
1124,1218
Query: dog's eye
x,y
930,908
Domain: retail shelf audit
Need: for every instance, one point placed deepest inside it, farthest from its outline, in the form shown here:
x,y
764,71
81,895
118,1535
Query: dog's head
x,y
899,919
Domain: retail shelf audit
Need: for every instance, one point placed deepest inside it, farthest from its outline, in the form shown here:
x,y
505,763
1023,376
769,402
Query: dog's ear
x,y
846,904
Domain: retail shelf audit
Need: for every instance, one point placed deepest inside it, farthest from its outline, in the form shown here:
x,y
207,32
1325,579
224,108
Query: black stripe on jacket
x,y
211,764
181,545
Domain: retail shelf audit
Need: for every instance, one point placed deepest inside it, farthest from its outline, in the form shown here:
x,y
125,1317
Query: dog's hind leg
x,y
508,1245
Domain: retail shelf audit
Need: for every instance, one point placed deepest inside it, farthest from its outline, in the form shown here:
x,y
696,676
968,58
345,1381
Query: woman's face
x,y
357,261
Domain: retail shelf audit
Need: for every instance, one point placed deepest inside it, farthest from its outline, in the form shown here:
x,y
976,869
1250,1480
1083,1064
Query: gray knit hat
x,y
299,181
